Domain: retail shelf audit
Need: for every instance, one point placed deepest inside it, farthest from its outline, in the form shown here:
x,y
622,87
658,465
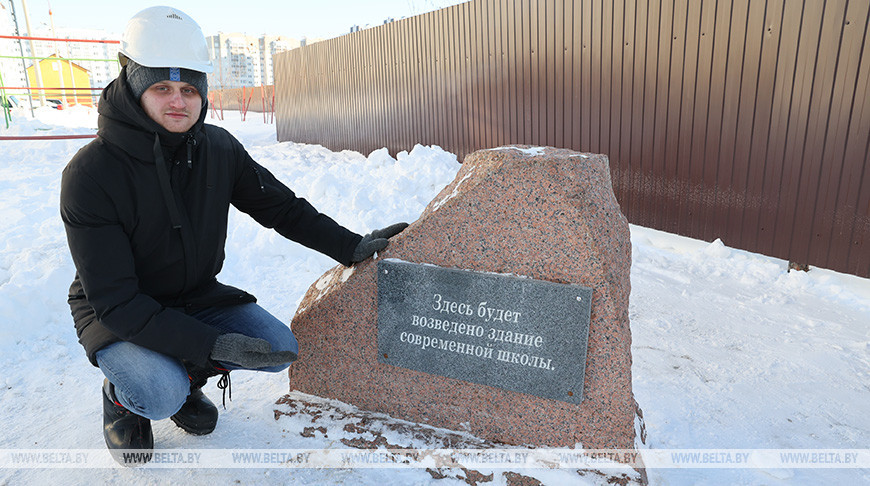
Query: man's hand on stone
x,y
376,241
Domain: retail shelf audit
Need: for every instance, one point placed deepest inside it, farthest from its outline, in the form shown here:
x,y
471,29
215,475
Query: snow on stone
x,y
453,193
531,151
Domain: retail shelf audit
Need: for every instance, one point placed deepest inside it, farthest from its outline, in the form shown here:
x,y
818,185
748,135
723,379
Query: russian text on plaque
x,y
515,333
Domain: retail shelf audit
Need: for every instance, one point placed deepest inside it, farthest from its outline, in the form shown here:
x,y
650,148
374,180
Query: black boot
x,y
198,415
125,431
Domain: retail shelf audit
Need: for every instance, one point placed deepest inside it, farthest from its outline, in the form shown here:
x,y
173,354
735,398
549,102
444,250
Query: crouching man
x,y
145,208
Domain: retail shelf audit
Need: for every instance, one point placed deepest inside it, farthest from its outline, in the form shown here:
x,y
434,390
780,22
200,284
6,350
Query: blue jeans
x,y
155,385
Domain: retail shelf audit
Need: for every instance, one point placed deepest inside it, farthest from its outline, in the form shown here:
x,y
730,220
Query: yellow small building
x,y
62,75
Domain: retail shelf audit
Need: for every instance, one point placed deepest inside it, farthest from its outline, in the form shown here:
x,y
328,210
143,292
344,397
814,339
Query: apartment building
x,y
99,59
269,46
243,60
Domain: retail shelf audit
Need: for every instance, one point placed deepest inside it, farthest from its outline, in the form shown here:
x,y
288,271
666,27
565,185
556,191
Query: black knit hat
x,y
140,78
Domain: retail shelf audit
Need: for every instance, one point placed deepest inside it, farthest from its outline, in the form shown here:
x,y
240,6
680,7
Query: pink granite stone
x,y
544,213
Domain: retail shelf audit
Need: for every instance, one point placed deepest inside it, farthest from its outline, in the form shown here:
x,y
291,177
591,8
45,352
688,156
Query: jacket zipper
x,y
259,177
191,142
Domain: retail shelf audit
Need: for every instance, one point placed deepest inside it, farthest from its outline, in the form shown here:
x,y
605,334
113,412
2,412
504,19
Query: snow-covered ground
x,y
731,351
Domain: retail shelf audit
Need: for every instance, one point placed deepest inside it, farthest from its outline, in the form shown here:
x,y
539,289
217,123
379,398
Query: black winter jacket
x,y
148,243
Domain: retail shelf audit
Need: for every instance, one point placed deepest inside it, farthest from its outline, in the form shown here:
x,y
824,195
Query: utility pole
x,y
33,51
58,63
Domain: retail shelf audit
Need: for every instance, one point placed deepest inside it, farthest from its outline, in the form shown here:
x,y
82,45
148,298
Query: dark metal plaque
x,y
514,333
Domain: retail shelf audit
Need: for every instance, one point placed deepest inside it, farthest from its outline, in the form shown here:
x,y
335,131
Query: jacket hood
x,y
124,123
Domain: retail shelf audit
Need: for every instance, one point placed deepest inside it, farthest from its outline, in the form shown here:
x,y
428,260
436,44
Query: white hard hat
x,y
165,37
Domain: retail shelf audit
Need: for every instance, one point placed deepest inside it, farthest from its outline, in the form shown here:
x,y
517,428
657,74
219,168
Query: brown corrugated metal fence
x,y
745,120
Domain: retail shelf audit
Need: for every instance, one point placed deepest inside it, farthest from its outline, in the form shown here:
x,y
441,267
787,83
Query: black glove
x,y
249,352
375,241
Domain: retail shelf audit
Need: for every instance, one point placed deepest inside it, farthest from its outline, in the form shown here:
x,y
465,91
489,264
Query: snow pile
x,y
730,350
74,120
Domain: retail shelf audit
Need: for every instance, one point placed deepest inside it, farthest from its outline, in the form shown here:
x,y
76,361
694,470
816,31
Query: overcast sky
x,y
292,18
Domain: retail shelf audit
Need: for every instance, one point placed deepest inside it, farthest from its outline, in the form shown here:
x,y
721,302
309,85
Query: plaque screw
x,y
386,271
570,394
385,355
579,299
